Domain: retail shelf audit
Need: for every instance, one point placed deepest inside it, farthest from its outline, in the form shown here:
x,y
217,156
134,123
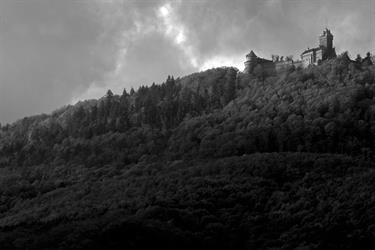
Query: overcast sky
x,y
56,52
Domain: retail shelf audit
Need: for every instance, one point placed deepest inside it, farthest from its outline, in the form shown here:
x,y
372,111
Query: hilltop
x,y
218,159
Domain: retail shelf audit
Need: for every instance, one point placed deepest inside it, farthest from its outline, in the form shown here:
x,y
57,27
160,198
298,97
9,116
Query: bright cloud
x,y
219,61
176,30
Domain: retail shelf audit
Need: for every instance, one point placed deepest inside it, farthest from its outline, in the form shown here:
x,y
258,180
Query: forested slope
x,y
217,159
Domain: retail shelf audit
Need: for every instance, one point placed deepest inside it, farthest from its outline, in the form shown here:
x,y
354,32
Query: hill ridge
x,y
214,160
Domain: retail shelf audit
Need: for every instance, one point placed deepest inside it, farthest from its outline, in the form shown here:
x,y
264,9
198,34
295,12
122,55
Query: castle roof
x,y
310,50
251,54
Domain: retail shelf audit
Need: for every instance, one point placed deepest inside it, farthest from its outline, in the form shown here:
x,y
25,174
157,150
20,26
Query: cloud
x,y
46,54
175,30
148,47
57,52
156,45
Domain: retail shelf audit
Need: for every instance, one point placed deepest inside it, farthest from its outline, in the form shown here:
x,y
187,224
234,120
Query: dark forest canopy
x,y
217,159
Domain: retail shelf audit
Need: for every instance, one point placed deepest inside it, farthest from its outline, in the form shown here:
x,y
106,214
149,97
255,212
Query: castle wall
x,y
285,65
307,59
266,64
249,66
313,56
318,56
269,67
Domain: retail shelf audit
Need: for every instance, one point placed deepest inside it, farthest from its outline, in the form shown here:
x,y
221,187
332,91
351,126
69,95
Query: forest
x,y
217,159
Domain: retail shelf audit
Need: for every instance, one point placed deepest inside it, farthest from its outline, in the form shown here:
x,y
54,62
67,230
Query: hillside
x,y
216,160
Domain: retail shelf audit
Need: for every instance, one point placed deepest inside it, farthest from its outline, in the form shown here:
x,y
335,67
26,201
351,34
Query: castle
x,y
312,56
323,52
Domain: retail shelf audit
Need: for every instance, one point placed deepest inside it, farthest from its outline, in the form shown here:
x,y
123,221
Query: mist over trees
x,y
217,160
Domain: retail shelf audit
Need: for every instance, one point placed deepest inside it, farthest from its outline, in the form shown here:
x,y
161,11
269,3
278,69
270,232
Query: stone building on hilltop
x,y
312,56
323,52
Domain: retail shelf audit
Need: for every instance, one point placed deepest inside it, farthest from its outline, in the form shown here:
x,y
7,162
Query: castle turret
x,y
251,62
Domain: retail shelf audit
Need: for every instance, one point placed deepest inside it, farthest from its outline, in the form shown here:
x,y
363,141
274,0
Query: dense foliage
x,y
217,159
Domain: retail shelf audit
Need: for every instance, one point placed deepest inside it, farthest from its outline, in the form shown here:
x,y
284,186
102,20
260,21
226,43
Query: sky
x,y
57,52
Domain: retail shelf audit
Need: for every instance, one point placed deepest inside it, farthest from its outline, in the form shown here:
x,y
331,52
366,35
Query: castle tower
x,y
251,62
326,45
326,40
